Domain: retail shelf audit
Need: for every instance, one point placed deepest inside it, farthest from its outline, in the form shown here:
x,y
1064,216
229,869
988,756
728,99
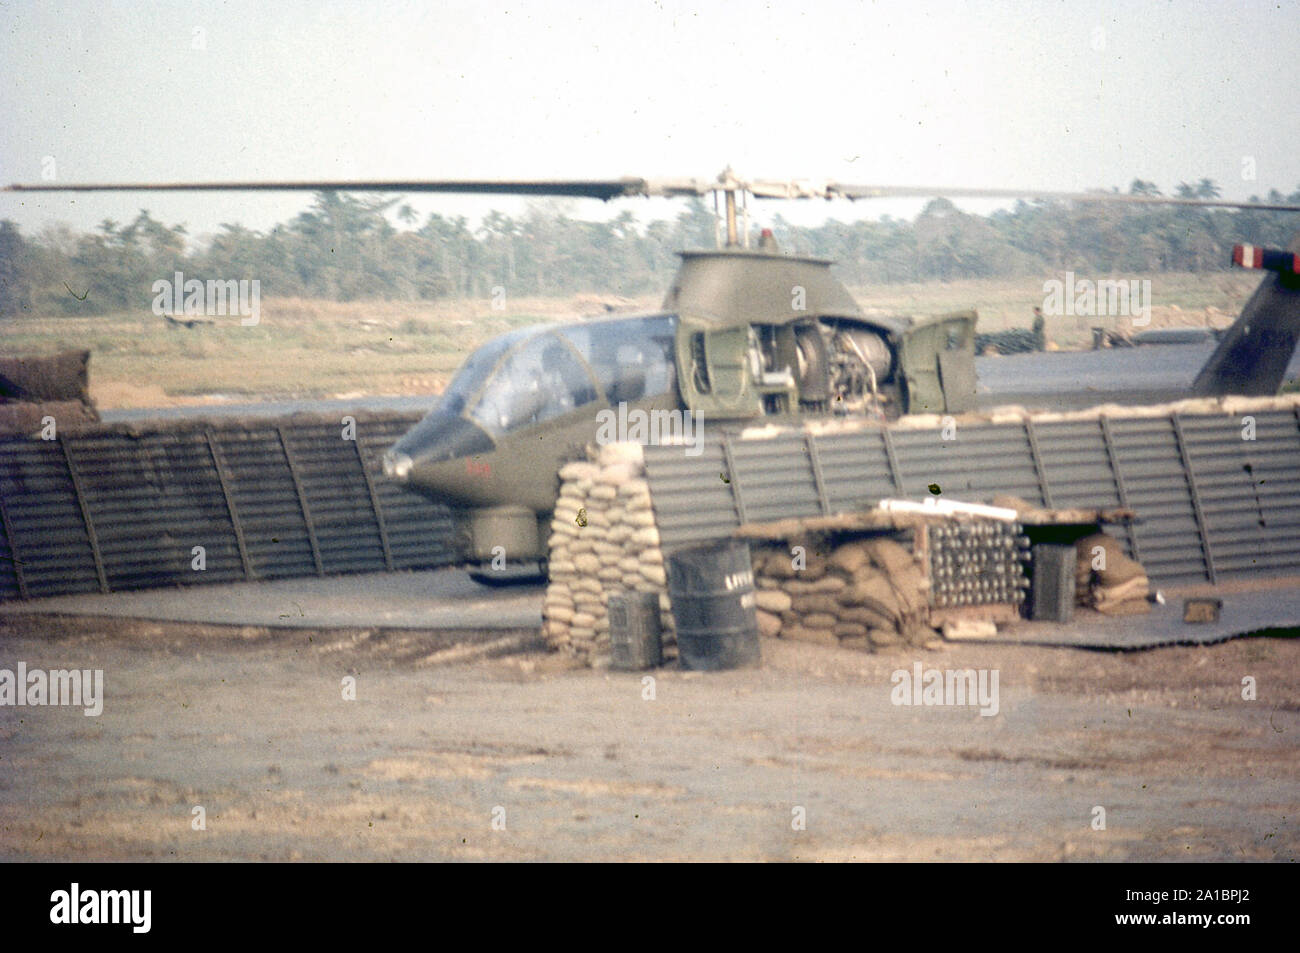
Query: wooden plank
x,y
991,612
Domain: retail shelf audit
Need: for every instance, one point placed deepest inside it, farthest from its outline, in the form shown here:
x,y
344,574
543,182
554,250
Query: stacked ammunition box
x,y
977,562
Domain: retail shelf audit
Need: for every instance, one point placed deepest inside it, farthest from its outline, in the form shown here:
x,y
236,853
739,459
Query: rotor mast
x,y
729,185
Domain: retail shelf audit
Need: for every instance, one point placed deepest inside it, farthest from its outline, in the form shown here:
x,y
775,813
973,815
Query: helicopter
x,y
745,335
742,335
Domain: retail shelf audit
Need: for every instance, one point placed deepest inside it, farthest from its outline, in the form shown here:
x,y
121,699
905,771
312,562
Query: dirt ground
x,y
525,758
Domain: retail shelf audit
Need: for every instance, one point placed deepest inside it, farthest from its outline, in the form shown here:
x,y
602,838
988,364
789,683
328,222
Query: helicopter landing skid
x,y
512,574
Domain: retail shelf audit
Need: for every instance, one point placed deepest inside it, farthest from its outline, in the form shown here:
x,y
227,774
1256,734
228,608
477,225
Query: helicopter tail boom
x,y
1268,259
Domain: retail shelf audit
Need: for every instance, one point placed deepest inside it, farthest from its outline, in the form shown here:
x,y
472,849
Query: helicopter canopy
x,y
531,375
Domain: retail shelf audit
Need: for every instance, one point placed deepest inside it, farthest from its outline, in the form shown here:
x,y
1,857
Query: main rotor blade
x,y
832,190
629,187
604,189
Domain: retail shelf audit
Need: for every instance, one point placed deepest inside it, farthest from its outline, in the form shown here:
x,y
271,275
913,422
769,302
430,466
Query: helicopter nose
x,y
397,466
439,436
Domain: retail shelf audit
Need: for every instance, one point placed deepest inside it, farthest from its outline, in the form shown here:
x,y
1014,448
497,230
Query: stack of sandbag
x,y
38,378
1118,585
1011,341
21,417
603,541
867,593
36,387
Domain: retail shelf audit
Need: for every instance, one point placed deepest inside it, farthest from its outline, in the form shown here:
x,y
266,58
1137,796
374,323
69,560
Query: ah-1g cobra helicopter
x,y
744,335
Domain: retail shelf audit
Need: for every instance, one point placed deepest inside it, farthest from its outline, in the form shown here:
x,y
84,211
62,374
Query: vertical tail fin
x,y
1253,354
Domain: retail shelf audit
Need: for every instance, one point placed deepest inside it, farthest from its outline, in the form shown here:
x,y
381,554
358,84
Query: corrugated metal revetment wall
x,y
117,507
1213,506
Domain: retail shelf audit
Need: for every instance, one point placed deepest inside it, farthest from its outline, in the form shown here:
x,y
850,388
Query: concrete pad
x,y
1267,611
437,599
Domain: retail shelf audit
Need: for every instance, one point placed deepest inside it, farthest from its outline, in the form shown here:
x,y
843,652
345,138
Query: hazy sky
x,y
1046,95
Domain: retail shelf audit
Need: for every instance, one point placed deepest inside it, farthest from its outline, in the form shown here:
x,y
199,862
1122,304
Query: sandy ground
x,y
523,758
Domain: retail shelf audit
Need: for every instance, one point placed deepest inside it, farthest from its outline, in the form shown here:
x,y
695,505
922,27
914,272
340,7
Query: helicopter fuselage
x,y
744,337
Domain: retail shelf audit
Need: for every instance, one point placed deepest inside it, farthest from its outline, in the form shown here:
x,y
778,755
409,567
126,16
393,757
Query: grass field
x,y
305,348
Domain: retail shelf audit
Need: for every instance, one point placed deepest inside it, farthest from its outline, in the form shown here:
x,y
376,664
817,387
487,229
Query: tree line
x,y
357,247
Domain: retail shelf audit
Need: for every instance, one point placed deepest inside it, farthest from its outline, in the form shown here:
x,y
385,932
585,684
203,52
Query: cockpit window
x,y
476,368
632,358
537,381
